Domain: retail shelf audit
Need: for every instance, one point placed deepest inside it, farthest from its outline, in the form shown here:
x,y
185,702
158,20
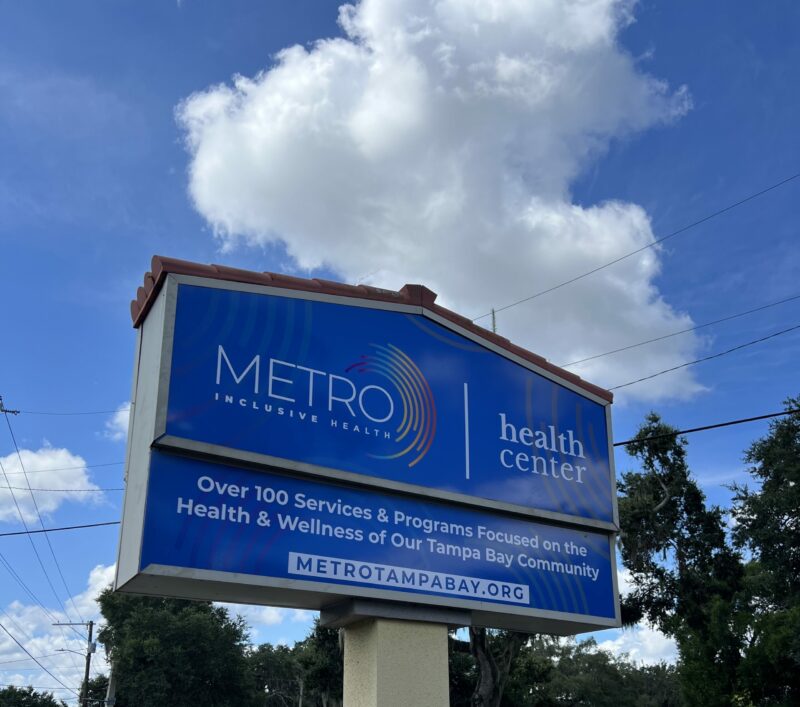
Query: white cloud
x,y
262,620
47,468
32,626
257,616
643,645
436,143
624,581
303,616
117,426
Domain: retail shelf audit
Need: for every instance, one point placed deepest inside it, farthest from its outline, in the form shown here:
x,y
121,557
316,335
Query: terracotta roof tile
x,y
415,295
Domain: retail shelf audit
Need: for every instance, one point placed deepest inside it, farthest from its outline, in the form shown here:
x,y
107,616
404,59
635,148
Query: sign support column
x,y
393,663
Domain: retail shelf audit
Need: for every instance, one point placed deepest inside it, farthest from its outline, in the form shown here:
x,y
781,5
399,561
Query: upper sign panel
x,y
326,387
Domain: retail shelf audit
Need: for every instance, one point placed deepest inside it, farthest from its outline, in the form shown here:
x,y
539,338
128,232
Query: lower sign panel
x,y
233,534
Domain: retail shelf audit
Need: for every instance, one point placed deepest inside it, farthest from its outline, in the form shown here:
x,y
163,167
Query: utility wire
x,y
36,687
22,488
34,548
707,427
11,636
13,621
682,331
707,358
65,527
22,660
41,522
63,468
66,414
15,576
639,250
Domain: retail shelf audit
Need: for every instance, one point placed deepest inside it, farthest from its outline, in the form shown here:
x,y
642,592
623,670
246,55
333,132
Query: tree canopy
x,y
767,525
310,673
175,652
686,577
731,599
27,697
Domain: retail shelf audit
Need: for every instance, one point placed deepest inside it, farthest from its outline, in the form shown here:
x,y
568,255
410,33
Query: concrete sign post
x,y
395,664
365,453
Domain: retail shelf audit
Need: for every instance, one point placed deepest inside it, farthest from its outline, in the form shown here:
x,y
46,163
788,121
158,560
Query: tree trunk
x,y
493,666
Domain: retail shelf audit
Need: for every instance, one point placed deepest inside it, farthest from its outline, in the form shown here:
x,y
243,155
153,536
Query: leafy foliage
x,y
552,671
276,673
736,618
321,661
549,671
175,652
27,697
309,673
98,687
463,673
686,578
494,653
768,526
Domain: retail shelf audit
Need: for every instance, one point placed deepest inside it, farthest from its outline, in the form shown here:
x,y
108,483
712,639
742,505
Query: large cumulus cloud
x,y
436,142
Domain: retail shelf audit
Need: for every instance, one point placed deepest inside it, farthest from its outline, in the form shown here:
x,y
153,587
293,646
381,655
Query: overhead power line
x,y
67,414
23,660
682,331
36,687
33,545
70,598
27,652
683,229
53,530
15,576
707,358
708,427
98,490
62,468
12,620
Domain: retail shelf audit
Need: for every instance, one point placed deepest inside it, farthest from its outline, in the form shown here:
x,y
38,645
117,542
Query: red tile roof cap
x,y
415,295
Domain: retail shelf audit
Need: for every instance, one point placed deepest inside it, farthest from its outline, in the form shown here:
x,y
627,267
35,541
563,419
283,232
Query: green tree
x,y
551,671
531,673
462,672
175,652
494,652
768,525
277,675
687,579
320,658
98,686
310,673
27,697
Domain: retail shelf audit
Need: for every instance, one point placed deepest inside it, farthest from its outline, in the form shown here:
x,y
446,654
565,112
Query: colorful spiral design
x,y
419,409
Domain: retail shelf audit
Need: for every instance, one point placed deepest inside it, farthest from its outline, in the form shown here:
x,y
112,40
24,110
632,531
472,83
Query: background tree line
x,y
724,585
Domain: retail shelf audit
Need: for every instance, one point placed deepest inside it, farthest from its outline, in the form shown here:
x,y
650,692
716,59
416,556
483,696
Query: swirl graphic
x,y
417,429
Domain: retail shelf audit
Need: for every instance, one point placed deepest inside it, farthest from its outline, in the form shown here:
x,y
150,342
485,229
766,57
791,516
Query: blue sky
x,y
566,143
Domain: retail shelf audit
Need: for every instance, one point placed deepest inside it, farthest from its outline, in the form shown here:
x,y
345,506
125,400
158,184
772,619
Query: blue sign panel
x,y
384,394
208,516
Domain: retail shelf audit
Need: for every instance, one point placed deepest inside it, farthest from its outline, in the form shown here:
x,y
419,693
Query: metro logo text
x,y
293,383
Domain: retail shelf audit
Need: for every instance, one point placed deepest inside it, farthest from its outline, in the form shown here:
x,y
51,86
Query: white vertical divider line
x,y
466,430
